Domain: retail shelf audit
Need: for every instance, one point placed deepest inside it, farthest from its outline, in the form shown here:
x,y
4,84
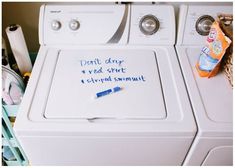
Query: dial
x,y
149,24
203,24
55,25
74,24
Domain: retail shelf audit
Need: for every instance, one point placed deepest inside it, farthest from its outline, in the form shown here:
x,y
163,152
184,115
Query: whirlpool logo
x,y
55,11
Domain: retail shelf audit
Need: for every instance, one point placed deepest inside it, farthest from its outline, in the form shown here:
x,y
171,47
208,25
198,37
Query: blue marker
x,y
107,92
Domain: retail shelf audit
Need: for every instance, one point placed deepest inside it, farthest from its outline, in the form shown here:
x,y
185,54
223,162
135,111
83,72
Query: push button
x,y
74,25
55,25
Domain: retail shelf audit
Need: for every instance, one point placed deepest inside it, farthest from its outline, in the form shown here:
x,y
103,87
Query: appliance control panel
x,y
198,21
83,24
107,24
152,24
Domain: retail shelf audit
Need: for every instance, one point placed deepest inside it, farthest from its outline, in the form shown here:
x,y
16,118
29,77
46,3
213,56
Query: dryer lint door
x,y
80,74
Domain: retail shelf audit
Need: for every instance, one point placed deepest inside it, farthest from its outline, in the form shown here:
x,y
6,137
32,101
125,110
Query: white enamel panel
x,y
187,33
84,73
97,25
216,92
166,33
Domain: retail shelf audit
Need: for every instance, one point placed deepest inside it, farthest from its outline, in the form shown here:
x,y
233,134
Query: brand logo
x,y
55,11
212,35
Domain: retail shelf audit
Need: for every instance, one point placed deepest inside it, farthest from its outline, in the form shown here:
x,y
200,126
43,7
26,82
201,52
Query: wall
x,y
26,15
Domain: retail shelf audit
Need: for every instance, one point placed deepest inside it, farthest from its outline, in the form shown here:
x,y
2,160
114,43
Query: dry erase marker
x,y
107,92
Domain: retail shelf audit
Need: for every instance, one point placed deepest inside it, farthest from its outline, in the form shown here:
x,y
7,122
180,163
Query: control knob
x,y
74,24
203,24
55,25
149,24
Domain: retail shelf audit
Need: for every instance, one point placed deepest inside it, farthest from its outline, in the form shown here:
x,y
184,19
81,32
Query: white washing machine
x,y
106,89
212,99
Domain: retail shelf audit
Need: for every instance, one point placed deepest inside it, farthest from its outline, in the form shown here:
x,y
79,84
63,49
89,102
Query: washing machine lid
x,y
80,74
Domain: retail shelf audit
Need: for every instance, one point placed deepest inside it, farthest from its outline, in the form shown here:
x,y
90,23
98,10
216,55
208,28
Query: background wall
x,y
26,14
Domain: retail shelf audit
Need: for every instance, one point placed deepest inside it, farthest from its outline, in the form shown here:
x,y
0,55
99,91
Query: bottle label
x,y
206,62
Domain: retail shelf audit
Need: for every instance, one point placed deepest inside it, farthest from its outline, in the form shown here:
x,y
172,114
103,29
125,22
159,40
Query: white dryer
x,y
88,49
211,99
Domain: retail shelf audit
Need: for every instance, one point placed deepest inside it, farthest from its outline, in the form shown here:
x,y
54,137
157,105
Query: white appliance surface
x,y
145,133
187,34
136,72
148,122
221,155
164,36
211,99
216,93
97,23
